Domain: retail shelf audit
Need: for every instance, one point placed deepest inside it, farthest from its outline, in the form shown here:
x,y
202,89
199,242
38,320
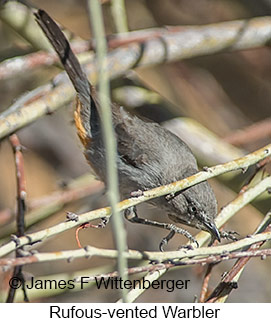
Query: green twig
x,y
109,137
119,15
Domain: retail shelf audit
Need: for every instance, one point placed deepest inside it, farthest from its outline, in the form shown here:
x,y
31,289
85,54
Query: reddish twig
x,y
83,226
204,288
257,131
207,276
86,225
21,208
138,36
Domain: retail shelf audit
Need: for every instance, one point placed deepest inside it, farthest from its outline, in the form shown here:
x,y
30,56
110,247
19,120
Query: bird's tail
x,y
86,113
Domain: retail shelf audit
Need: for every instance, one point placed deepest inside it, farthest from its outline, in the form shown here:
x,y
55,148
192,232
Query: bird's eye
x,y
192,209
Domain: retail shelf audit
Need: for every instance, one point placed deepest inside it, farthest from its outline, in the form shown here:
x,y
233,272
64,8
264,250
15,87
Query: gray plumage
x,y
148,155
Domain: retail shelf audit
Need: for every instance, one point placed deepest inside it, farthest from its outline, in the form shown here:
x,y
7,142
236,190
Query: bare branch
x,y
169,46
241,163
181,257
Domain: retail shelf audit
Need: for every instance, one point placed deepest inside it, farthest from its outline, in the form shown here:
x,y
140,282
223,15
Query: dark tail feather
x,y
63,49
87,119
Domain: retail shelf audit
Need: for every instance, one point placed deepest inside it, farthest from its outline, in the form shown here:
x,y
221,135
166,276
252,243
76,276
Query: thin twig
x,y
207,276
79,188
110,142
20,179
204,288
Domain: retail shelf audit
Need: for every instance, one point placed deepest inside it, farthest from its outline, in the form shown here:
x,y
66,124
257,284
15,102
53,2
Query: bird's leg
x,y
131,215
174,229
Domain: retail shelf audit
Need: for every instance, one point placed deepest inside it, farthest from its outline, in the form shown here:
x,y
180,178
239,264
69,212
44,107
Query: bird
x,y
148,155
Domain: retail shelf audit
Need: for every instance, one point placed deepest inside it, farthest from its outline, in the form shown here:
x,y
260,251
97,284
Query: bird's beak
x,y
211,227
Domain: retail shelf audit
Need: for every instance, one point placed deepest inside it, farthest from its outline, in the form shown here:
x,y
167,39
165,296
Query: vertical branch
x,y
109,136
21,209
119,15
20,179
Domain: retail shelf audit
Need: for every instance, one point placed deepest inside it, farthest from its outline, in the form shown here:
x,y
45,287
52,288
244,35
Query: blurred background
x,y
223,93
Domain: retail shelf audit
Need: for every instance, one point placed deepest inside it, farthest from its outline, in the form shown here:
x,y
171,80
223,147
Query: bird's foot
x,y
229,235
174,229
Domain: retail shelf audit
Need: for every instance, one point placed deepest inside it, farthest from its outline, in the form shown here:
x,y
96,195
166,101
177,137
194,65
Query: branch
x,y
20,178
23,64
208,254
168,47
246,197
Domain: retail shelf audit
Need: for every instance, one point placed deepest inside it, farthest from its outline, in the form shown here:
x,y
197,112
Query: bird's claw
x,y
229,235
